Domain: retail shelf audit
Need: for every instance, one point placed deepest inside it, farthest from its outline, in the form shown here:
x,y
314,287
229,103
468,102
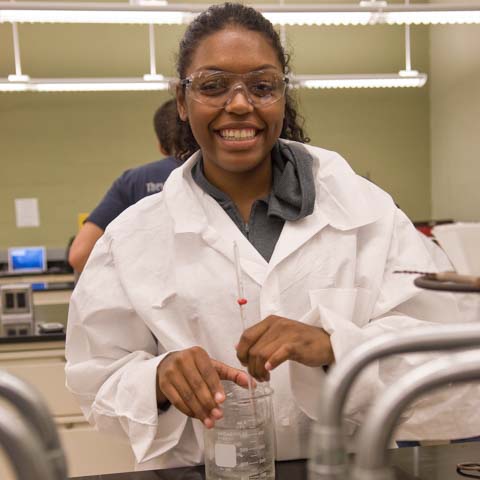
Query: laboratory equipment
x,y
23,448
23,260
328,457
241,300
448,279
16,312
51,327
33,410
241,445
460,242
371,461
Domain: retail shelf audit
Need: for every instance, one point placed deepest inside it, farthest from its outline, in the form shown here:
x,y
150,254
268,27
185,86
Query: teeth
x,y
238,134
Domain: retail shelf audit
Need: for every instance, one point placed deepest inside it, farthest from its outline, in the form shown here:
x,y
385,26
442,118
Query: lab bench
x,y
50,292
415,463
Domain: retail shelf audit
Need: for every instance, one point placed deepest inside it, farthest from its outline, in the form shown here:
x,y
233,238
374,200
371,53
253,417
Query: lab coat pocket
x,y
351,304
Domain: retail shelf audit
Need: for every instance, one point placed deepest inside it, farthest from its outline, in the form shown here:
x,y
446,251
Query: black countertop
x,y
46,337
416,463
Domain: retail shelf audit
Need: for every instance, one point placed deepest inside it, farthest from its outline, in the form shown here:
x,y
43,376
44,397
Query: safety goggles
x,y
217,89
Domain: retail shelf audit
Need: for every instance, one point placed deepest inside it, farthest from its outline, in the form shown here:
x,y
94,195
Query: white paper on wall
x,y
26,212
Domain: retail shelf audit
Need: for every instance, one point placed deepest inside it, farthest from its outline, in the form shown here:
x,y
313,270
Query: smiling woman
x,y
236,136
152,326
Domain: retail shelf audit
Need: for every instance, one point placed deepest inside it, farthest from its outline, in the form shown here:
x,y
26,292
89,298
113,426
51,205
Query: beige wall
x,y
455,121
66,149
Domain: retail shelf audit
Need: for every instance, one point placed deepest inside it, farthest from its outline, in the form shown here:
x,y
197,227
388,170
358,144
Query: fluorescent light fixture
x,y
320,18
94,16
84,85
158,82
159,12
443,17
402,79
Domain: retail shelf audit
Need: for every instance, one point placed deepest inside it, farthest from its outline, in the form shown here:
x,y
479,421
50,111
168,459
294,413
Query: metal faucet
x,y
33,409
377,430
23,447
328,457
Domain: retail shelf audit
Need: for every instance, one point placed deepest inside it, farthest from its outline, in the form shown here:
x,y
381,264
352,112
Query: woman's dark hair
x,y
212,20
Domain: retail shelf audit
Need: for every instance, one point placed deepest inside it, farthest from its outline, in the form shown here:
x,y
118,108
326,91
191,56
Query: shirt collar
x,y
292,196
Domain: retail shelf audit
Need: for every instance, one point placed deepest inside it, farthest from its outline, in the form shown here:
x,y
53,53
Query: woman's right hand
x,y
190,380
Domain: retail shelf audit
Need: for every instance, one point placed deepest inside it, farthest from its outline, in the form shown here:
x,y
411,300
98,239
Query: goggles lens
x,y
218,88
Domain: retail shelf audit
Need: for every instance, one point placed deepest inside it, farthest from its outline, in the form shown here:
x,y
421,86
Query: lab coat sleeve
x,y
396,305
112,358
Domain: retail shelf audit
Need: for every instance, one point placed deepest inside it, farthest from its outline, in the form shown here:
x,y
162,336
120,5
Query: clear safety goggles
x,y
217,89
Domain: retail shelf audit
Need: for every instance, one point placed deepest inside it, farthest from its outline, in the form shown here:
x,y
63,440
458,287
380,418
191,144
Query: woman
x,y
154,323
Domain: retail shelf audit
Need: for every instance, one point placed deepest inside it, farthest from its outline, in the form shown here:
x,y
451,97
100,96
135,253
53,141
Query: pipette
x,y
242,301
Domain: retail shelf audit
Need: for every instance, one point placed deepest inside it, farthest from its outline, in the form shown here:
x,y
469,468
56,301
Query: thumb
x,y
226,372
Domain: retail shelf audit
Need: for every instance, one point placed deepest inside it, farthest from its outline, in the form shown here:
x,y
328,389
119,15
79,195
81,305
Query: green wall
x,y
66,149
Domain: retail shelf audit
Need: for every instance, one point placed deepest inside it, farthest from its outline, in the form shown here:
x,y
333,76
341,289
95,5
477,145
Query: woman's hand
x,y
276,339
190,380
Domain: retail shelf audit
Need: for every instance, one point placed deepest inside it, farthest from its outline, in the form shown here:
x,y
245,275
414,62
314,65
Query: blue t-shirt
x,y
130,187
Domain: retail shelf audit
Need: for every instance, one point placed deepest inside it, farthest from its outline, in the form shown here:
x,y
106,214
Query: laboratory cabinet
x,y
42,364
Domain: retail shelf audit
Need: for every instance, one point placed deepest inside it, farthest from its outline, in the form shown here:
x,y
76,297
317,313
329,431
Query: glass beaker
x,y
241,446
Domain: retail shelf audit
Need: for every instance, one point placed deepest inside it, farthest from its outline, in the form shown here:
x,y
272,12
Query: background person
x,y
130,187
154,324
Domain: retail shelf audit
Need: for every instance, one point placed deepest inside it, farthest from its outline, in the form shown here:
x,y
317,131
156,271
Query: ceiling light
x,y
158,82
83,85
414,79
159,12
94,16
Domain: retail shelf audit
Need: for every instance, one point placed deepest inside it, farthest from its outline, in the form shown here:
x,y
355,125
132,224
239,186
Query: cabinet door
x,y
44,370
90,452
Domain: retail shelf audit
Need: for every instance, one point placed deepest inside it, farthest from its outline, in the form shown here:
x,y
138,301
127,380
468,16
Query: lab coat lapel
x,y
343,201
194,211
295,234
222,232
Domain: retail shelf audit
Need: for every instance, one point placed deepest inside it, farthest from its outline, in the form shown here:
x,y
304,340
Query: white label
x,y
225,455
26,212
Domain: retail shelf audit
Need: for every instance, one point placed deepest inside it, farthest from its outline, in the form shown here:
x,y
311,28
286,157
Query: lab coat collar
x,y
343,201
194,211
186,213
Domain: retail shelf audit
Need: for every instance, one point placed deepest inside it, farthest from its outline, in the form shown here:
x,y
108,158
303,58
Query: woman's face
x,y
239,136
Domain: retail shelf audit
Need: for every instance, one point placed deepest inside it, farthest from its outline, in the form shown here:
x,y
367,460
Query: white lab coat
x,y
162,278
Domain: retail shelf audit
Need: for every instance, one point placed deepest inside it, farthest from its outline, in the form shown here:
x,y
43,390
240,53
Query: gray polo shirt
x,y
291,198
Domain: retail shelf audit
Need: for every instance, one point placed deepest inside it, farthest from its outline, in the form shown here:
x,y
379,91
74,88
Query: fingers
x,y
257,344
225,372
283,353
190,382
211,378
187,397
249,338
176,400
276,339
260,355
290,340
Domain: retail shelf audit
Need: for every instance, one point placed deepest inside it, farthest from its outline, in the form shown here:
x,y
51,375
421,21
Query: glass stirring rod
x,y
242,301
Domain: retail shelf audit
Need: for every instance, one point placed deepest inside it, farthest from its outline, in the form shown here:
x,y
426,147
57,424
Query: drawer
x,y
90,452
44,370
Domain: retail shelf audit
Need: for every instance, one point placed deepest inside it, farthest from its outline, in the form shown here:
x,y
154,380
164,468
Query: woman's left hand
x,y
277,339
